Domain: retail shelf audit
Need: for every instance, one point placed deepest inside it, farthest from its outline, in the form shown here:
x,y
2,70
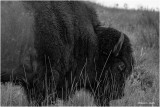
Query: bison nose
x,y
121,66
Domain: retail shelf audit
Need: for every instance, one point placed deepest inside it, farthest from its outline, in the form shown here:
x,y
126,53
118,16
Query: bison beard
x,y
68,51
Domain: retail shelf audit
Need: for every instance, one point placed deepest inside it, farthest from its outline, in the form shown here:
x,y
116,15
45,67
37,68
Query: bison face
x,y
115,60
115,74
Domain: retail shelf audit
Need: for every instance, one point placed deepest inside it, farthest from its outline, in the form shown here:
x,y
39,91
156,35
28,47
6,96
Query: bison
x,y
61,47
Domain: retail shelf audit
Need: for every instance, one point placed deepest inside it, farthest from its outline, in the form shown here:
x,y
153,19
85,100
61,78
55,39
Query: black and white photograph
x,y
80,53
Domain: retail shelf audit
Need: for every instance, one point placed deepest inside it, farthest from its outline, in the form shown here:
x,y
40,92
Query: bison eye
x,y
121,66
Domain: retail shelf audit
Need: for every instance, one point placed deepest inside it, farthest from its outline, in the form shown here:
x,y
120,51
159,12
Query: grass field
x,y
142,87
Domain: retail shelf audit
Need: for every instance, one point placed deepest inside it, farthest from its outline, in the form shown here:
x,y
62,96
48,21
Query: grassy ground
x,y
142,87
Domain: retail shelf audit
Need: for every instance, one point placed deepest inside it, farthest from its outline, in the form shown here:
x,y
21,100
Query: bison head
x,y
115,61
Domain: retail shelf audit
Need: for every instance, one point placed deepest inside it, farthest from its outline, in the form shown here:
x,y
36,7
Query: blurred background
x,y
130,4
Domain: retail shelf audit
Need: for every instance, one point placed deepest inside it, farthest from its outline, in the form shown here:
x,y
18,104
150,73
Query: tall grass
x,y
148,20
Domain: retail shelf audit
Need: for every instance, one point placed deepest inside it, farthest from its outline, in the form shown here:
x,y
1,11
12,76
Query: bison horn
x,y
118,46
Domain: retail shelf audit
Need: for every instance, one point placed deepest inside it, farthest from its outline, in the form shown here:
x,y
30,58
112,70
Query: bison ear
x,y
118,46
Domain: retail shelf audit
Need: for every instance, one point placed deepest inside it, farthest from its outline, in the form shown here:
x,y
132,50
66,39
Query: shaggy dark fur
x,y
64,42
68,51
